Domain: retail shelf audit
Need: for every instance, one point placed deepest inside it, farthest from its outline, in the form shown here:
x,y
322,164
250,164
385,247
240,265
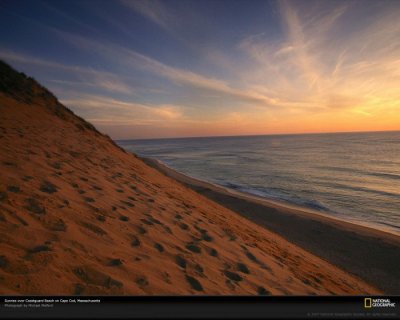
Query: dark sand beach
x,y
368,253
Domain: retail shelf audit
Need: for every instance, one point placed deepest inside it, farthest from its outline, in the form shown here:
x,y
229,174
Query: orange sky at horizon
x,y
233,124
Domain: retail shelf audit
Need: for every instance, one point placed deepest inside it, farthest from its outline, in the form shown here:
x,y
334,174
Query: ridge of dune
x,y
79,215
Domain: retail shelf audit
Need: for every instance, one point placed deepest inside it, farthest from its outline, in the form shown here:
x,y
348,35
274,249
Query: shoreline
x,y
185,178
368,253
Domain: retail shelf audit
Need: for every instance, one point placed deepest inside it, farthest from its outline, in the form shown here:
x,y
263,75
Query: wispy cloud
x,y
87,76
134,59
66,17
321,63
105,110
153,10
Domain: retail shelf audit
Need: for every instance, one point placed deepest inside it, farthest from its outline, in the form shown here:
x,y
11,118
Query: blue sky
x,y
143,69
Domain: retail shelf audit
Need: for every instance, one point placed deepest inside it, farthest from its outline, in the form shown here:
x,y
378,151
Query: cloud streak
x,y
87,76
136,60
153,10
322,64
105,110
156,12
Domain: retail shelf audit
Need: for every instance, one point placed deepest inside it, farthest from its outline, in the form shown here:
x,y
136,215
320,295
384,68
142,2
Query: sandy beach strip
x,y
370,254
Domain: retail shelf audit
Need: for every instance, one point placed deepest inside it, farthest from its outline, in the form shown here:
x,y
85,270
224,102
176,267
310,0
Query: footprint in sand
x,y
14,214
129,204
93,228
95,209
242,268
167,229
37,249
180,261
142,281
141,230
88,199
9,163
194,283
115,262
254,259
232,276
135,241
74,154
48,187
154,220
206,237
159,247
192,247
250,256
117,175
166,277
230,235
27,178
56,165
145,221
199,268
262,291
317,279
13,189
57,225
34,207
183,226
212,252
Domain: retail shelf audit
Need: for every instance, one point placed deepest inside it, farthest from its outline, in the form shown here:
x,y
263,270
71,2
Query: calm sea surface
x,y
351,176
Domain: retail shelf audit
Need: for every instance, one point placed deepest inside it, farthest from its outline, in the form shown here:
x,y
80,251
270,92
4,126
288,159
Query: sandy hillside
x,y
78,215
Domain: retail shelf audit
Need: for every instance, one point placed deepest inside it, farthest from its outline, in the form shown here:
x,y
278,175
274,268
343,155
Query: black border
x,y
205,307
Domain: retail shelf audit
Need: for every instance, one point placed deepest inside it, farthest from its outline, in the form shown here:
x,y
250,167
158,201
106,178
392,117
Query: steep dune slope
x,y
78,215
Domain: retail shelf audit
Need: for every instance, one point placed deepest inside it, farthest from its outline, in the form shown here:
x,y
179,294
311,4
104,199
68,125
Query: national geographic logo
x,y
378,303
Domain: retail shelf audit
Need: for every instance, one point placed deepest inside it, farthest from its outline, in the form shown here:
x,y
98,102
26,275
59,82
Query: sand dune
x,y
368,253
78,215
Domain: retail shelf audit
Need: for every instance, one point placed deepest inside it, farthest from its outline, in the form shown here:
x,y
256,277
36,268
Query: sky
x,y
159,69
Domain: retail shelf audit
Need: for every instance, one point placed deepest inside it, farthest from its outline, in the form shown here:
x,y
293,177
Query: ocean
x,y
350,176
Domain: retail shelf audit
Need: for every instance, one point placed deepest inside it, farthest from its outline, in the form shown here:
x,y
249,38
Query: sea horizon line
x,y
256,135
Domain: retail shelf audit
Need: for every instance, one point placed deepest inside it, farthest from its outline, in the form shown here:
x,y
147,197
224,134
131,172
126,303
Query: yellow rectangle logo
x,y
367,303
